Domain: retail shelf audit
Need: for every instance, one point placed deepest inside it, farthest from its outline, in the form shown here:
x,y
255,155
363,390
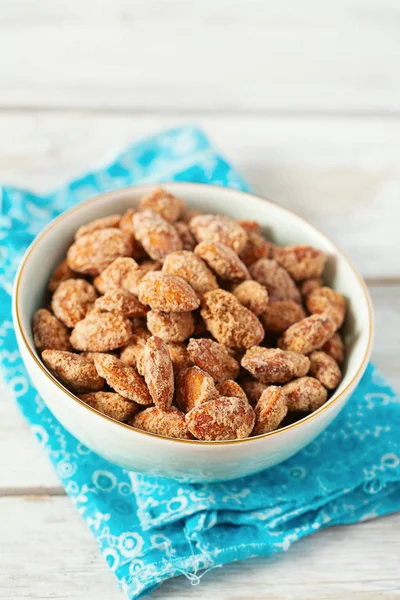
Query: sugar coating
x,y
101,332
131,353
219,228
229,322
281,314
270,410
90,356
165,204
111,404
328,301
308,285
253,389
125,222
222,260
180,357
276,279
213,358
250,226
122,378
61,273
335,347
192,269
231,388
49,332
256,247
138,252
252,295
122,302
157,236
170,327
102,223
134,277
72,299
93,252
167,293
301,261
75,372
114,276
305,394
164,274
308,334
325,368
170,423
195,387
156,367
272,365
227,418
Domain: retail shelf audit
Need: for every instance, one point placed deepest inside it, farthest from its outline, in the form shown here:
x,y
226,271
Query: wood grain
x,y
47,553
342,174
201,56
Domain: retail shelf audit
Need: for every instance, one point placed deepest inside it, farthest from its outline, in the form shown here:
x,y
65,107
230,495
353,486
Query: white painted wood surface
x,y
185,55
341,173
342,562
304,98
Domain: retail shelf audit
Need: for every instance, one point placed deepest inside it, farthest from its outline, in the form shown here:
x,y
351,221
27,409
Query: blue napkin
x,y
149,530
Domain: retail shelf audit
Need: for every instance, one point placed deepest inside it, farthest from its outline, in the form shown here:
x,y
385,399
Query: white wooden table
x,y
304,98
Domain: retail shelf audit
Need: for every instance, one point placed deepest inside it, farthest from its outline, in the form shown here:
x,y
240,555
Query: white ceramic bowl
x,y
188,460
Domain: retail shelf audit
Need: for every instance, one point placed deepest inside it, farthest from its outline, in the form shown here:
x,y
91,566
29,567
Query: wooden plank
x,y
342,174
225,56
50,553
46,552
24,466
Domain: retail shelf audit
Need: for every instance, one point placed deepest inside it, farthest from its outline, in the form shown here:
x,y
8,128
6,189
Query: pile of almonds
x,y
191,326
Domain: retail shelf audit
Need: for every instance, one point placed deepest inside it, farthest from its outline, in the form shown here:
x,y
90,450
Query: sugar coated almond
x,y
213,358
157,235
325,369
219,228
156,367
93,252
195,387
305,394
167,293
308,334
227,418
122,378
272,365
270,410
74,371
167,423
111,404
72,299
229,322
101,332
49,332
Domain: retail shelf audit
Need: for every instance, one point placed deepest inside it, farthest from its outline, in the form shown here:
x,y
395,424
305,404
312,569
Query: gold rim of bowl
x,y
329,404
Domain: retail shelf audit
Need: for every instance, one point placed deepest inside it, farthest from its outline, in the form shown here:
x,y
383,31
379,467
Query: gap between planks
x,y
361,114
31,493
386,281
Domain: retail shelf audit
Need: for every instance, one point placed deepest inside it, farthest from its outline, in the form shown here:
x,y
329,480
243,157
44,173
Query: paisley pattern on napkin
x,y
149,530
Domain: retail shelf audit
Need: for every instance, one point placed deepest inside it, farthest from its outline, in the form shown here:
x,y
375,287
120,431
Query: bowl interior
x,y
280,226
